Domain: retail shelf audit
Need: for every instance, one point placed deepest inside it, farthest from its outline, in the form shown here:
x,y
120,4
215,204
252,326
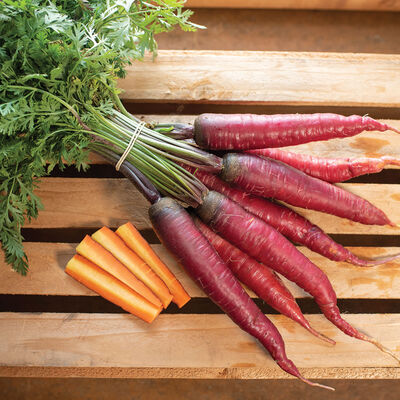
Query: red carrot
x,y
270,178
263,281
266,245
328,169
250,131
287,222
180,235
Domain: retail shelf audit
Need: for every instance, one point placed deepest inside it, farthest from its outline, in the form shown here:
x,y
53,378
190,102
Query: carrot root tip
x,y
381,347
388,160
315,384
394,129
321,336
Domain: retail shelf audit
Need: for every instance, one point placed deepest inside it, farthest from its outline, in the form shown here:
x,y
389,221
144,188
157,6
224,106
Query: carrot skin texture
x,y
288,222
328,169
135,241
112,242
251,131
179,234
270,178
109,287
262,242
260,279
98,255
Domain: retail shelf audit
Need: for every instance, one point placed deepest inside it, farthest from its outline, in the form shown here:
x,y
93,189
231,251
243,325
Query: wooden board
x,y
363,5
205,345
266,78
94,202
47,262
193,345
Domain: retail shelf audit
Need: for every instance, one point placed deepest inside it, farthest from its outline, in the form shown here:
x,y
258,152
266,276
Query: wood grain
x,y
94,202
210,345
197,373
361,5
266,78
47,262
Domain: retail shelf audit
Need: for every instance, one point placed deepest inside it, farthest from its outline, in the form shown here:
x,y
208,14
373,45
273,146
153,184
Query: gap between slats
x,y
196,306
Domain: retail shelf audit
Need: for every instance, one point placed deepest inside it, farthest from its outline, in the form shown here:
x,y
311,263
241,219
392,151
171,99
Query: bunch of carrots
x,y
123,268
241,232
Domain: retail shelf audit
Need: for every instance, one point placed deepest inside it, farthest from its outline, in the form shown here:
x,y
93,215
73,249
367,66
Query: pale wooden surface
x,y
210,346
205,344
94,202
266,78
363,5
47,262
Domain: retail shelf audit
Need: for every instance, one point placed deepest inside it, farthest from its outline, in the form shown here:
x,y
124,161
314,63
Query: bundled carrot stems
x,y
59,65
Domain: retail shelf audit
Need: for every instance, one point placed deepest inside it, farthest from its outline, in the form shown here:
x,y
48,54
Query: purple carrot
x,y
263,281
273,179
179,234
262,242
251,131
328,169
288,222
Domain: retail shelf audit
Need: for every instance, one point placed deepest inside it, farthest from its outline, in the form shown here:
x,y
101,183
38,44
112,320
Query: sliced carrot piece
x,y
135,241
116,246
111,288
95,253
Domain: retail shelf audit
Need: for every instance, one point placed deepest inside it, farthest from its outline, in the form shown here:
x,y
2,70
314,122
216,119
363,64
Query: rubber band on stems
x,y
131,143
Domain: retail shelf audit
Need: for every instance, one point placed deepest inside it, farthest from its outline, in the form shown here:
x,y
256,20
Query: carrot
x,y
328,169
289,223
135,241
263,281
112,242
111,288
179,234
270,178
249,131
262,242
94,252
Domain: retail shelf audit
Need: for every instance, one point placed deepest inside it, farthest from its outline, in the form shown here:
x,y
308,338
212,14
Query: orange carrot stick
x,y
135,241
91,250
111,288
116,246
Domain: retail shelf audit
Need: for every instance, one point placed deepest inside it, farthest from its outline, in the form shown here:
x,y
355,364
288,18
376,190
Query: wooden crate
x,y
197,343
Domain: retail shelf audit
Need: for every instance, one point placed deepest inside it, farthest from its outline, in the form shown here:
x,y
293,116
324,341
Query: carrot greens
x,y
59,65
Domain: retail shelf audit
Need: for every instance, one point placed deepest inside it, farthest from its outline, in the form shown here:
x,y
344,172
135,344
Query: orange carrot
x,y
135,241
111,288
91,250
116,246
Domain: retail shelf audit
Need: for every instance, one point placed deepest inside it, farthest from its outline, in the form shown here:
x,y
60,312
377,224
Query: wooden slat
x,y
202,345
367,144
92,202
47,262
362,5
266,78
